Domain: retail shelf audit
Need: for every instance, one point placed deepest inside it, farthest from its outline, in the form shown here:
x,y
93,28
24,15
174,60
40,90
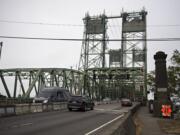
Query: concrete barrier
x,y
7,110
36,107
22,109
121,126
127,127
18,109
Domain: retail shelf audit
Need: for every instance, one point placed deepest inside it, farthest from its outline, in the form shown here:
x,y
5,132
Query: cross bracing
x,y
32,80
130,54
113,82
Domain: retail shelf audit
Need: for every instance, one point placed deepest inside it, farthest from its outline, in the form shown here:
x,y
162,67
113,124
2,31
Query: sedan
x,y
126,102
80,103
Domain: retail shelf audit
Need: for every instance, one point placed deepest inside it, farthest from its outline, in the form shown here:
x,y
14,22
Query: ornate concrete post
x,y
162,99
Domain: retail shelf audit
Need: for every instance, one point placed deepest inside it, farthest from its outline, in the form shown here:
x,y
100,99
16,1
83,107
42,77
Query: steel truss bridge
x,y
113,82
32,80
119,72
103,71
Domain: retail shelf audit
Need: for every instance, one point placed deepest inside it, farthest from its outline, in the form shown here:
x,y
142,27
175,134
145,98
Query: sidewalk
x,y
147,124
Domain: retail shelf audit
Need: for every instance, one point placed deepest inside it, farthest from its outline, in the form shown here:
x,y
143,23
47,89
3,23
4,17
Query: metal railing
x,y
13,101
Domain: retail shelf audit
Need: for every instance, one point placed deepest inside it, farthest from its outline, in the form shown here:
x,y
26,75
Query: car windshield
x,y
45,94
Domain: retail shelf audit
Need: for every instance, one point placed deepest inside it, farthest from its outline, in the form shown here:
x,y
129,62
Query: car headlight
x,y
45,101
34,101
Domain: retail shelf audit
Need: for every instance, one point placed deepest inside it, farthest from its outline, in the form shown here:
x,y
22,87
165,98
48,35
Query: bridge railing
x,y
18,109
13,101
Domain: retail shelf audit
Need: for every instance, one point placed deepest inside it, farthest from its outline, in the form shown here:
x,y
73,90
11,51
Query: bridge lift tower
x,y
133,45
94,44
127,66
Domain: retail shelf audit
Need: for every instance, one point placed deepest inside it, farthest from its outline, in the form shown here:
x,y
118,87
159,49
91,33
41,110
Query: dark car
x,y
52,94
126,102
81,103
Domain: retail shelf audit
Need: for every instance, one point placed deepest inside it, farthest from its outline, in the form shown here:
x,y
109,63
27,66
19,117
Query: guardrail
x,y
7,110
121,126
10,107
12,101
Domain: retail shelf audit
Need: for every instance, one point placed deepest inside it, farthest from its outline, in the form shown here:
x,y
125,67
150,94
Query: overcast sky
x,y
18,53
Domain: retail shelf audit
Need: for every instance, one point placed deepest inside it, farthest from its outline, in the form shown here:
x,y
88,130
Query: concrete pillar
x,y
161,82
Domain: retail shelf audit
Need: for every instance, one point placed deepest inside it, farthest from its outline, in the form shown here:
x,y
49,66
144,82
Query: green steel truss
x,y
126,74
113,82
96,79
28,80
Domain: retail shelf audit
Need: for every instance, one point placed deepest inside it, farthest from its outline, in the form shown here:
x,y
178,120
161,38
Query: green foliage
x,y
174,71
175,59
151,78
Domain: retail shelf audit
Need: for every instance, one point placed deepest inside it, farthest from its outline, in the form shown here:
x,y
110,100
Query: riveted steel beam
x,y
32,80
5,85
32,84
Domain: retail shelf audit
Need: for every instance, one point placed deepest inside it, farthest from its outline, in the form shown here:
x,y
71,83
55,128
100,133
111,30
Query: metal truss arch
x,y
32,80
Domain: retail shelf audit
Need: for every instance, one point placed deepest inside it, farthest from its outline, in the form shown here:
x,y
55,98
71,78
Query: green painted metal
x,y
112,82
15,85
134,53
5,85
32,80
94,44
101,81
94,77
32,84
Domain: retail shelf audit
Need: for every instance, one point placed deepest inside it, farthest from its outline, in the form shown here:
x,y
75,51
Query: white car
x,y
106,100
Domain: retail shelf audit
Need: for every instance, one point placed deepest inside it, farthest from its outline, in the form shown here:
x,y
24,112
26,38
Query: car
x,y
126,102
106,100
52,94
80,103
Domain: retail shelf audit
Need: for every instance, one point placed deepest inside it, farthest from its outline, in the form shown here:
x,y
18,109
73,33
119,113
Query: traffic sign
x,y
166,110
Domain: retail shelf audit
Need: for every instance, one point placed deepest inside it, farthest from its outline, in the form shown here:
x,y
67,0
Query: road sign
x,y
166,110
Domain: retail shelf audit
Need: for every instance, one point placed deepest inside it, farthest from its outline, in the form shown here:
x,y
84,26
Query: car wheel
x,y
70,109
92,108
84,107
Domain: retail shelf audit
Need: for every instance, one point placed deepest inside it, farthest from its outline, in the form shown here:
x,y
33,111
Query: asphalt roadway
x,y
60,122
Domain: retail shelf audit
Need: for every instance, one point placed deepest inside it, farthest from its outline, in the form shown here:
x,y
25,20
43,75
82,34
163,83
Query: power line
x,y
76,39
41,23
79,25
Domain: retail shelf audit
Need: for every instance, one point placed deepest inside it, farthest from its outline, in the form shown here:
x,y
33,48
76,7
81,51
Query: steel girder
x,y
31,80
94,44
134,52
112,82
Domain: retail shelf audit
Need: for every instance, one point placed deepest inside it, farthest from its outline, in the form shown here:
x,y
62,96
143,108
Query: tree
x,y
175,59
174,72
151,78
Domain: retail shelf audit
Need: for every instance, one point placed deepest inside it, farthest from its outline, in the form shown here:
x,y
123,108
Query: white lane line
x,y
21,125
26,124
107,110
105,124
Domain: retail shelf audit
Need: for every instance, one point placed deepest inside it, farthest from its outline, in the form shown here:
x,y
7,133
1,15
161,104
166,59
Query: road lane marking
x,y
26,124
105,109
111,111
105,124
22,125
